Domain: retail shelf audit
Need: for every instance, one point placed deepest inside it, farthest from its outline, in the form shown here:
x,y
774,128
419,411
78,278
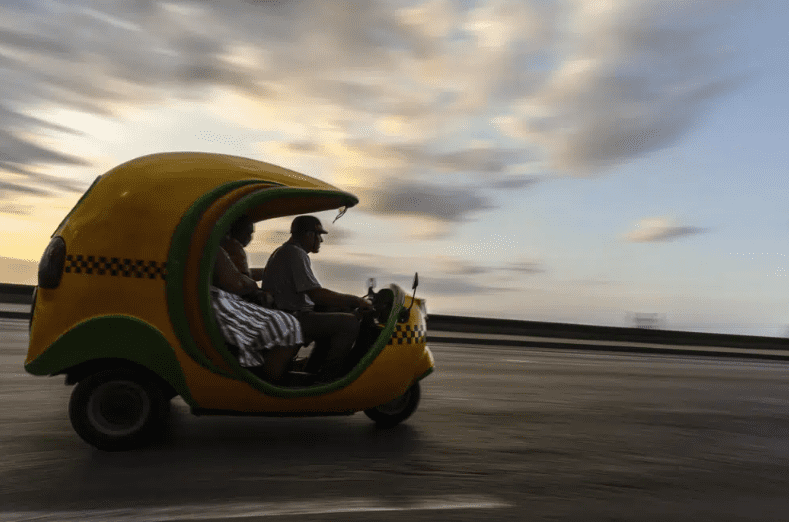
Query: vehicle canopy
x,y
133,280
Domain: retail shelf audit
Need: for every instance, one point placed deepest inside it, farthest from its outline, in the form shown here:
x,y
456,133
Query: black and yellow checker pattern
x,y
408,334
115,266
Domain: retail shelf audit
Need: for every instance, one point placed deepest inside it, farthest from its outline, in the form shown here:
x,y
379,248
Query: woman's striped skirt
x,y
252,328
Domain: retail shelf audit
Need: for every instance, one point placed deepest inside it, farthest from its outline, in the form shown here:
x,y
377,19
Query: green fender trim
x,y
428,372
176,265
113,337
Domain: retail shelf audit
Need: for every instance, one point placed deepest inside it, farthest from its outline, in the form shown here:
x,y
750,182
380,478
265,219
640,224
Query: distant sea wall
x,y
16,294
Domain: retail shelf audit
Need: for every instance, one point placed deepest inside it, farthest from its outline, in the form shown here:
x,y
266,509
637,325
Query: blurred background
x,y
613,163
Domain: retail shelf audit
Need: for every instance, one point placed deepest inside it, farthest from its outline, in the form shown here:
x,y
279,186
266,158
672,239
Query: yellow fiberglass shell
x,y
118,244
140,250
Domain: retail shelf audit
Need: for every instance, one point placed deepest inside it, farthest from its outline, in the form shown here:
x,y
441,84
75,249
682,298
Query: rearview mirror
x,y
416,281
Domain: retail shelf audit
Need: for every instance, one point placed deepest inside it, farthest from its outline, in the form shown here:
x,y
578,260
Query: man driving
x,y
325,316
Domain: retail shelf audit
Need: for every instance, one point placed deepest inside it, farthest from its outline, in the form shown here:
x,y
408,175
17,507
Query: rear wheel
x,y
118,409
396,411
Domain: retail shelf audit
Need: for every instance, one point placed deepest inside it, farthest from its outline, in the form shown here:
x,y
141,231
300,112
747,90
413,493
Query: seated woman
x,y
267,340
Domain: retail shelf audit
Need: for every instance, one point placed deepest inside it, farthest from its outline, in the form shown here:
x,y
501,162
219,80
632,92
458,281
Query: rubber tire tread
x,y
151,428
385,420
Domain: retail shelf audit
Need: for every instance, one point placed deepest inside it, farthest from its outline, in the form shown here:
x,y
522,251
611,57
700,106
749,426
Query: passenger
x,y
288,276
239,236
267,339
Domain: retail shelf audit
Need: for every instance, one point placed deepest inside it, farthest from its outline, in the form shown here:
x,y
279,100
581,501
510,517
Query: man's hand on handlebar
x,y
365,305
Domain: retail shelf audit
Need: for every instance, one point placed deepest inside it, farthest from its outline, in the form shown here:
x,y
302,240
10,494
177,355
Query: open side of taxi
x,y
123,305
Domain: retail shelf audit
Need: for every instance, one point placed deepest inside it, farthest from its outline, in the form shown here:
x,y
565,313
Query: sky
x,y
582,161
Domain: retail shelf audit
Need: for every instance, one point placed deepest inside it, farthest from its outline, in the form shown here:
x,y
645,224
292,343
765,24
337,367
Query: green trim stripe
x,y
176,266
428,372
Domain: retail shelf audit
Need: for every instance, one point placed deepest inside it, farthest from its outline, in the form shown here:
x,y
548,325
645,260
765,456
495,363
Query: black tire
x,y
394,412
118,409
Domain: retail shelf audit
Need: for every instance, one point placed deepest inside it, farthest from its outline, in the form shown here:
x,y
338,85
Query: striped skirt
x,y
252,328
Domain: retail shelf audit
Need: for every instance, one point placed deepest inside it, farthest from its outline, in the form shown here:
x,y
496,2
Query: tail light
x,y
32,309
50,269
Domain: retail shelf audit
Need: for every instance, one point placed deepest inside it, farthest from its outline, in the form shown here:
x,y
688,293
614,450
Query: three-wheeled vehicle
x,y
122,307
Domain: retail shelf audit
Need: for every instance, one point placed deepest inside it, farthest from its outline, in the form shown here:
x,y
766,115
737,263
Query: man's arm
x,y
332,299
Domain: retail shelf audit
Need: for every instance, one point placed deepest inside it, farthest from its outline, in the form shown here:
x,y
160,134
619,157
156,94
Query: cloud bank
x,y
411,86
653,230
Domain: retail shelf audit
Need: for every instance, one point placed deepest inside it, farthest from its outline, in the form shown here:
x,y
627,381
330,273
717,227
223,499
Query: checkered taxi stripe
x,y
115,266
408,334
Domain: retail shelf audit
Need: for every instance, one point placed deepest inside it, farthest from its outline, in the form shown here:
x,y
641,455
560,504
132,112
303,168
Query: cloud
x,y
14,209
652,230
461,267
476,159
445,286
17,153
438,276
636,76
403,86
272,238
352,275
453,266
69,54
525,266
366,60
6,187
436,202
512,182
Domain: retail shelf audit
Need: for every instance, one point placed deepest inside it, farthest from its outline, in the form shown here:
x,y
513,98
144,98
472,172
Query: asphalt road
x,y
501,434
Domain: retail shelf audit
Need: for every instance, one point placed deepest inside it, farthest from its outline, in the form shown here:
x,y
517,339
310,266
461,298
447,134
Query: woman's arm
x,y
236,253
228,278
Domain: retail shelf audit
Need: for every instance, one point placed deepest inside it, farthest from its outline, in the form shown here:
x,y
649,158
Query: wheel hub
x,y
118,407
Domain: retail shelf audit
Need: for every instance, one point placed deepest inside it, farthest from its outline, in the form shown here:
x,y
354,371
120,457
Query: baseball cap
x,y
306,224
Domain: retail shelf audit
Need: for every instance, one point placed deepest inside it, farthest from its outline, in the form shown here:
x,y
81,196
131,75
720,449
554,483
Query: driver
x,y
288,276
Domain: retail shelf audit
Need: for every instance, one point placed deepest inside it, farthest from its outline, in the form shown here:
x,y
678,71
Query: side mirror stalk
x,y
405,314
371,287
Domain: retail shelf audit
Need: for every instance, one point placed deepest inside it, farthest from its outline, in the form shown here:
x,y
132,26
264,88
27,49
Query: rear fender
x,y
88,368
123,339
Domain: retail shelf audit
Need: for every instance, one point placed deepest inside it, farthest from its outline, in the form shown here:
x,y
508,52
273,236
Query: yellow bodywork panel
x,y
148,196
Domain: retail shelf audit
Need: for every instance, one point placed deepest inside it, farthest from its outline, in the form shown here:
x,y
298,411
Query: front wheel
x,y
117,409
396,411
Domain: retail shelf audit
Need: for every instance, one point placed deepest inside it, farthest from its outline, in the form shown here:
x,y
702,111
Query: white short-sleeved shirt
x,y
288,276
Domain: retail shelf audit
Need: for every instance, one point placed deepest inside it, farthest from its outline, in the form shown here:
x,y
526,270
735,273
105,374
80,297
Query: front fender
x,y
113,337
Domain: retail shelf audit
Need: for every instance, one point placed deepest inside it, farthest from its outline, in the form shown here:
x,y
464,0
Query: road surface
x,y
501,434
